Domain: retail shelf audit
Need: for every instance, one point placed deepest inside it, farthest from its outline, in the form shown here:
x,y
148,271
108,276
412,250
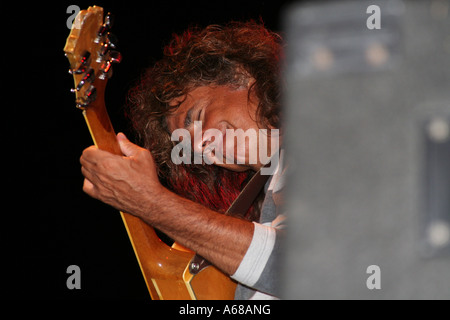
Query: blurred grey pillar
x,y
367,134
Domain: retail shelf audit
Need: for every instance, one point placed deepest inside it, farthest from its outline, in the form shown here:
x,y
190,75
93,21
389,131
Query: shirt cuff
x,y
257,255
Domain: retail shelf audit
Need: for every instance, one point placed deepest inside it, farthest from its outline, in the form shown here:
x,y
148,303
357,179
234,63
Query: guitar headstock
x,y
90,50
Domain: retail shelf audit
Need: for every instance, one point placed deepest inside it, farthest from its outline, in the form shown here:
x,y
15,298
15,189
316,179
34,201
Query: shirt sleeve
x,y
259,267
261,259
257,255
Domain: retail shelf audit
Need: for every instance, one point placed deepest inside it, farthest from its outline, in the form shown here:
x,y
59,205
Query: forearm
x,y
130,184
222,240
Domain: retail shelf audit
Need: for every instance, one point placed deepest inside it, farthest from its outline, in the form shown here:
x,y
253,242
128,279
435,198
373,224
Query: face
x,y
210,113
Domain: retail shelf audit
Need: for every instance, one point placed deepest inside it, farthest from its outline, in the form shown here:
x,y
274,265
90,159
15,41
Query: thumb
x,y
126,146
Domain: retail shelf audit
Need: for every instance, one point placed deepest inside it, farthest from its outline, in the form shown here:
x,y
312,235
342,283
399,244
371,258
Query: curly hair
x,y
233,55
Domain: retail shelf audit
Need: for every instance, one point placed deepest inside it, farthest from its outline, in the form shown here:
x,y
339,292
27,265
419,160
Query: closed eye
x,y
188,119
199,107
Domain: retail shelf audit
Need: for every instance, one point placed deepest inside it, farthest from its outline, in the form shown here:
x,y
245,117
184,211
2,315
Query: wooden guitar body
x,y
165,269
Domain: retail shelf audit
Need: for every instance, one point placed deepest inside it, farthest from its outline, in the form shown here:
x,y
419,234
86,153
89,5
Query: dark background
x,y
48,222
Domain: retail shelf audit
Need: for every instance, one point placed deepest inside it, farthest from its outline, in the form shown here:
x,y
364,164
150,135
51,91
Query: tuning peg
x,y
85,58
109,20
103,50
89,97
106,70
83,64
91,94
108,44
107,25
80,70
115,56
88,77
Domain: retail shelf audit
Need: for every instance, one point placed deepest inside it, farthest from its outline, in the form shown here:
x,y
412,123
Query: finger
x,y
126,146
93,155
88,187
88,175
89,156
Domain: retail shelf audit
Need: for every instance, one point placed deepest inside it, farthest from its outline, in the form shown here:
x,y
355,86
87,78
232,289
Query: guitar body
x,y
165,269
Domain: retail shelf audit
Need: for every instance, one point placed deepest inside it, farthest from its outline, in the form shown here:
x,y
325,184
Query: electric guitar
x,y
170,273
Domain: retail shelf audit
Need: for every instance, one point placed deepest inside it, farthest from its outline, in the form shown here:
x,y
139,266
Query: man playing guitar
x,y
224,78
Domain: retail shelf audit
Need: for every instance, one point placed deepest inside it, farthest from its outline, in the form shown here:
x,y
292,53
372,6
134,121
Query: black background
x,y
48,222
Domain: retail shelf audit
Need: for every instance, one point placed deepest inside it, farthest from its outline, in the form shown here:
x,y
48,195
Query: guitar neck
x,y
165,269
99,123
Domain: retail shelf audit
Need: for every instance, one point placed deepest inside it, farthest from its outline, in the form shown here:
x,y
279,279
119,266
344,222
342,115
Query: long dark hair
x,y
232,55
